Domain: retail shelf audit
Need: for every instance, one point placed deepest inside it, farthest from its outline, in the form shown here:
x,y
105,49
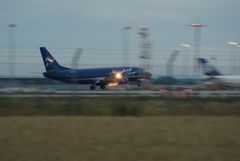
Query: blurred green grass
x,y
119,106
179,138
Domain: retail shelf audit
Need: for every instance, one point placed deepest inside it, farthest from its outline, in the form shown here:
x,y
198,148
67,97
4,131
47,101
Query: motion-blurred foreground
x,y
112,138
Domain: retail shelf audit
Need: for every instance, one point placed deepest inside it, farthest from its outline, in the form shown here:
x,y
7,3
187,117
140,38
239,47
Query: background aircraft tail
x,y
208,69
49,62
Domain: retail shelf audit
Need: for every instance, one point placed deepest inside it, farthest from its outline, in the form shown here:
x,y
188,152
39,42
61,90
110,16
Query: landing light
x,y
118,75
196,25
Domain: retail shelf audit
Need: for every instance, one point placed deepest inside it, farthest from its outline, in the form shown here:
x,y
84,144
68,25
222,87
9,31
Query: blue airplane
x,y
93,76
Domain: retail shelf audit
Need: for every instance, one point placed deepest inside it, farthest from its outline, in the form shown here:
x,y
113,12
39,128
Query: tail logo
x,y
49,60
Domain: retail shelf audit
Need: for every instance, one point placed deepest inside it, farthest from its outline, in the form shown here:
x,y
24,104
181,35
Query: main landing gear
x,y
93,87
102,86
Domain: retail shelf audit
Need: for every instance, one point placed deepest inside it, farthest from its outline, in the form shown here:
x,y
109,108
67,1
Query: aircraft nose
x,y
147,75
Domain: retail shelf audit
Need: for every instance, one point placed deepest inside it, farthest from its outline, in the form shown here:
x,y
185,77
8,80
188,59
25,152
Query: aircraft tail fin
x,y
208,69
49,61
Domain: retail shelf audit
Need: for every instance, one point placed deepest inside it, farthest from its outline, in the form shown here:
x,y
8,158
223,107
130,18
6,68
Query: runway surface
x,y
122,90
136,93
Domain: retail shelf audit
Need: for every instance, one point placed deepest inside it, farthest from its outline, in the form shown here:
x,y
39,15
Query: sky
x,y
98,24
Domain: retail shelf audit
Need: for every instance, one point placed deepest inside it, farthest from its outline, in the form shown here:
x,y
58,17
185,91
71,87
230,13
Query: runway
x,y
136,93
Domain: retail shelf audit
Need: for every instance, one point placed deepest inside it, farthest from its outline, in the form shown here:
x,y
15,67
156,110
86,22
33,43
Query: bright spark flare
x,y
112,84
118,75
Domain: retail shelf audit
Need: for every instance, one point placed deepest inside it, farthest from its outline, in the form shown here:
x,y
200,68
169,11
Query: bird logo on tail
x,y
49,60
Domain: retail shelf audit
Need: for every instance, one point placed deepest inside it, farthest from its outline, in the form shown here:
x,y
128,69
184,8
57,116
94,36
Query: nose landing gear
x,y
102,86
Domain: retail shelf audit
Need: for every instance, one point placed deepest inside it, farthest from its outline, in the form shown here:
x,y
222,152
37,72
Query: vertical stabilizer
x,y
208,69
49,62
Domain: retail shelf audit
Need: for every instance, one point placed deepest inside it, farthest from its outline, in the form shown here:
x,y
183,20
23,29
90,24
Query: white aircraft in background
x,y
216,77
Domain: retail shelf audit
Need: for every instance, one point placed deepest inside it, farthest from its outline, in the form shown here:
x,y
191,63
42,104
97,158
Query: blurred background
x,y
162,38
23,67
180,114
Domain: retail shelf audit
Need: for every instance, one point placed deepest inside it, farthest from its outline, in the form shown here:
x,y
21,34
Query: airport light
x,y
233,66
11,54
233,43
185,59
197,25
185,45
126,44
196,47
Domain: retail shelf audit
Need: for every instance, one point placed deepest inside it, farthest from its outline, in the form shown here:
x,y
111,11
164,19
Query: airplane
x,y
93,76
216,77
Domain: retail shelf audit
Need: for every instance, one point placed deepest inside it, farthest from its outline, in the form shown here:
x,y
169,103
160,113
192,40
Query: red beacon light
x,y
197,25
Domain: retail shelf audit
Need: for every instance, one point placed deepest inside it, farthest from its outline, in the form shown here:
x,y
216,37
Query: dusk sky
x,y
97,24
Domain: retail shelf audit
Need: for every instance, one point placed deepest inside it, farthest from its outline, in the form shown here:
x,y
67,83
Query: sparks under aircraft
x,y
94,76
216,77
